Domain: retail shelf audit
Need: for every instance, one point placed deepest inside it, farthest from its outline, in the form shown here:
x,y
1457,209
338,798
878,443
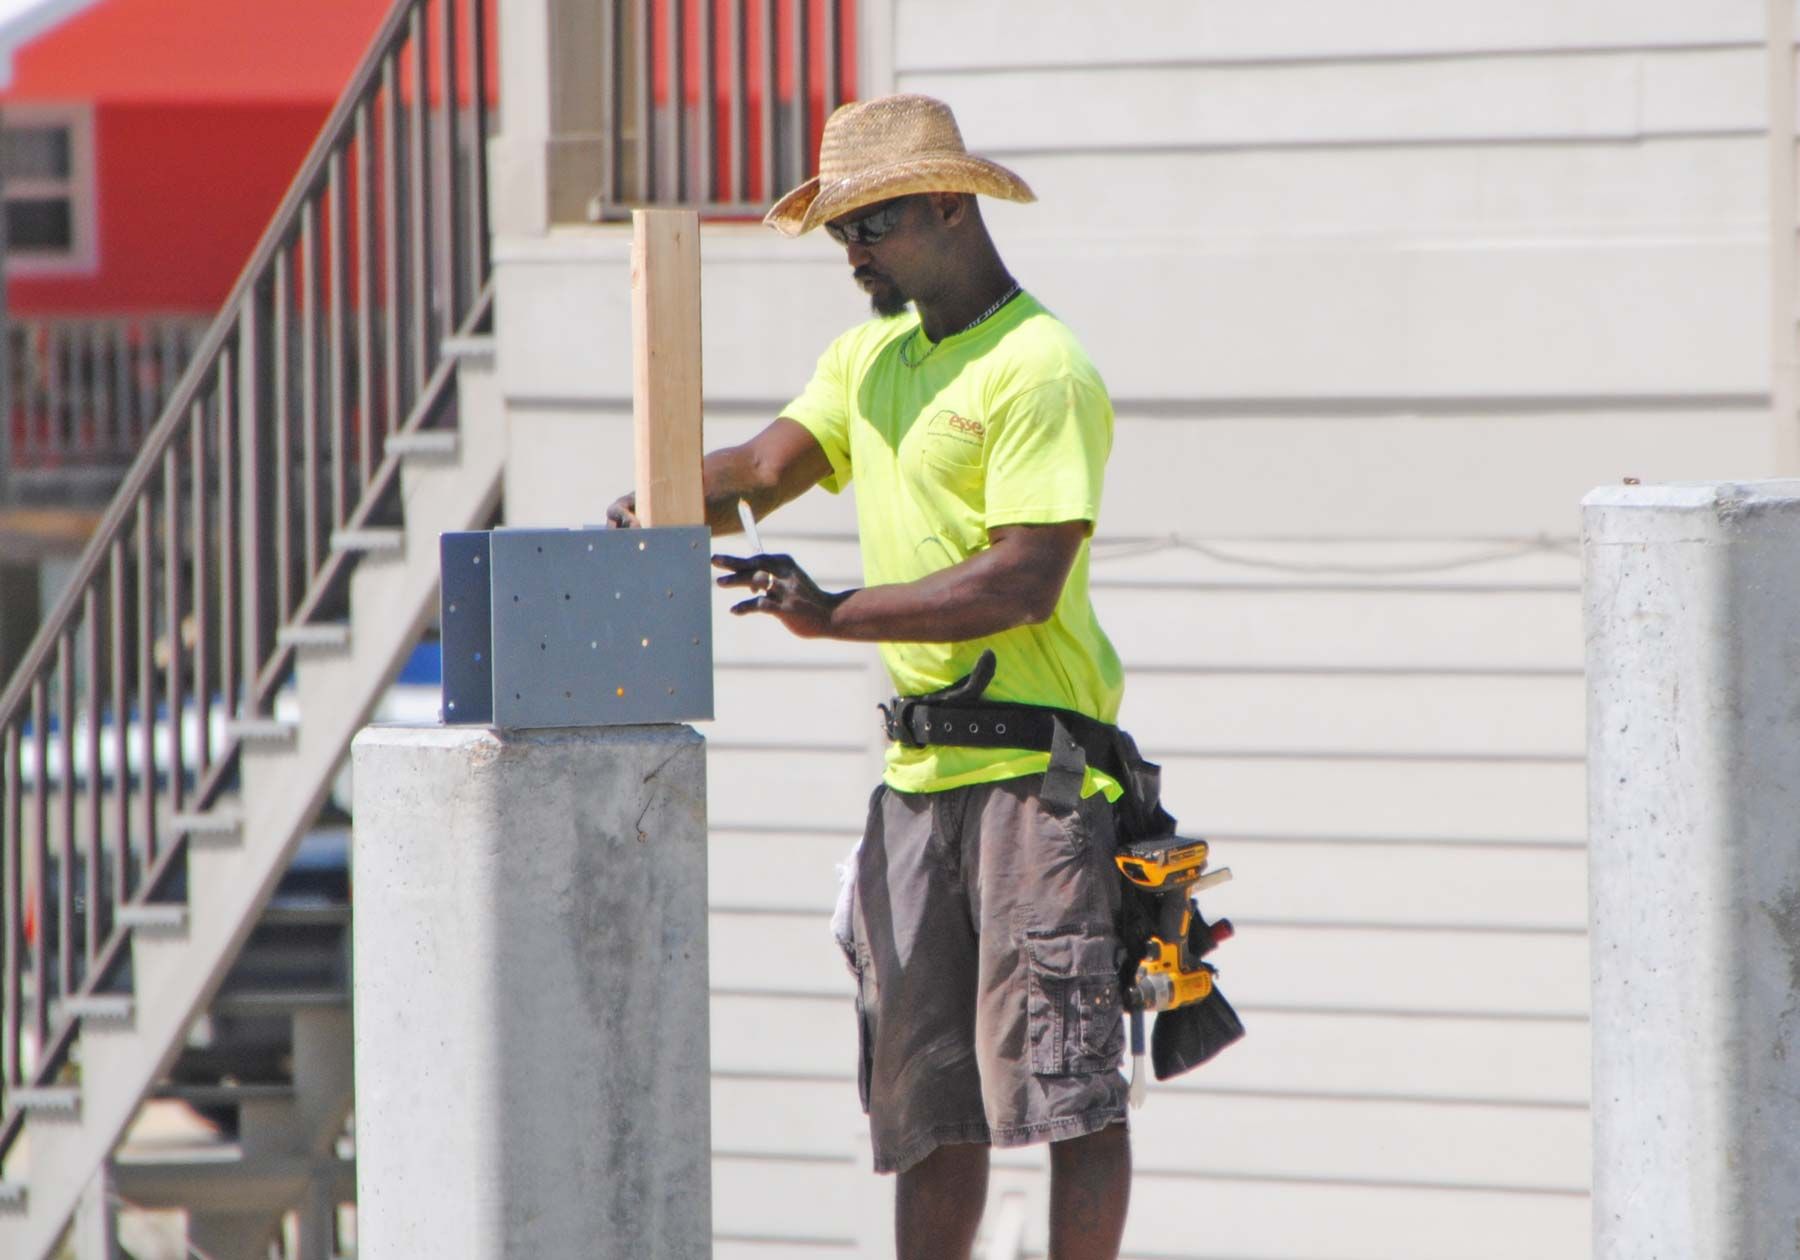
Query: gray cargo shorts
x,y
987,967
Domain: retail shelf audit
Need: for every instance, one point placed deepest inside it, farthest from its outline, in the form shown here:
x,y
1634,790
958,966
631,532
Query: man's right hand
x,y
623,512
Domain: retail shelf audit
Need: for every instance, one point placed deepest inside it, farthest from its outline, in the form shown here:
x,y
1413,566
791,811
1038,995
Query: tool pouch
x,y
1188,1036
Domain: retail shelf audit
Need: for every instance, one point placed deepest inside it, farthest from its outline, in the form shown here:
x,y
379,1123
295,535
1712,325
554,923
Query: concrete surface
x,y
1693,632
531,993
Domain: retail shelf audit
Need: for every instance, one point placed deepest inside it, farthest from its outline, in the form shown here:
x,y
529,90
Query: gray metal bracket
x,y
576,627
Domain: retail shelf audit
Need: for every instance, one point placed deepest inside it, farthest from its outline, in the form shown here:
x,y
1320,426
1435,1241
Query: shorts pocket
x,y
1073,1016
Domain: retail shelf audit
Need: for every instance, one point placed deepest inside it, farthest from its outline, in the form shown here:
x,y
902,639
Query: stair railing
x,y
163,650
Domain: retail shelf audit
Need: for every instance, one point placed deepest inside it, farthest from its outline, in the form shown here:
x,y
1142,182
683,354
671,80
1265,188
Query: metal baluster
x,y
642,39
168,368
228,569
93,797
149,404
337,280
172,615
707,174
28,396
737,133
81,407
611,106
253,474
770,95
476,184
68,941
53,404
393,260
198,507
12,915
672,187
279,527
107,447
115,585
122,385
309,389
801,133
146,678
832,87
40,868
418,186
93,375
449,238
363,427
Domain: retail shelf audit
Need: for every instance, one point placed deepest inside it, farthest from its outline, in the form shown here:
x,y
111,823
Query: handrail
x,y
123,715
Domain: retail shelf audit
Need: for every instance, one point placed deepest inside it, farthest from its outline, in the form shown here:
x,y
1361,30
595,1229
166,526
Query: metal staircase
x,y
253,589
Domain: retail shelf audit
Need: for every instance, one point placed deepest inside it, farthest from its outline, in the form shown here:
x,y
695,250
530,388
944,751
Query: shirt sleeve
x,y
1047,453
823,410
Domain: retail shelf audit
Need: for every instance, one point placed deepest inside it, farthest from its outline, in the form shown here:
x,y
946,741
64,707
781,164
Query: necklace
x,y
982,318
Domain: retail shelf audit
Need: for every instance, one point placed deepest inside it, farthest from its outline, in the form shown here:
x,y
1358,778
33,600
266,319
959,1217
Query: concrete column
x,y
531,994
1693,656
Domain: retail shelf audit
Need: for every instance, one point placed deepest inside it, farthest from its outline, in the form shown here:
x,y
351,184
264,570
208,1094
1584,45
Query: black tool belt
x,y
958,716
918,722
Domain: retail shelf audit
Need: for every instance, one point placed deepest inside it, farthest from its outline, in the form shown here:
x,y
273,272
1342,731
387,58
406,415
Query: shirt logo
x,y
948,426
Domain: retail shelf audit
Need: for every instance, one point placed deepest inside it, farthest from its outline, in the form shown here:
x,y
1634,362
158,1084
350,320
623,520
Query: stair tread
x,y
211,820
262,728
470,346
153,915
428,442
101,1006
315,634
47,1097
373,538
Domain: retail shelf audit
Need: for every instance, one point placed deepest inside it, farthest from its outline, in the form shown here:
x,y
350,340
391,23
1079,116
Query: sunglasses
x,y
868,228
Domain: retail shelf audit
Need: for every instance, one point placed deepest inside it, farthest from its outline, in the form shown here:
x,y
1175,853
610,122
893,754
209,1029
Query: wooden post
x,y
665,354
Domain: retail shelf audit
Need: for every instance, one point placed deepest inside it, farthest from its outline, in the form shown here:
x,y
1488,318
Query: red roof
x,y
198,50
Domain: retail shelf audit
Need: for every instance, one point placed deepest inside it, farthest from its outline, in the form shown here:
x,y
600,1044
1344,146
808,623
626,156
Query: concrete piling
x,y
1693,658
531,993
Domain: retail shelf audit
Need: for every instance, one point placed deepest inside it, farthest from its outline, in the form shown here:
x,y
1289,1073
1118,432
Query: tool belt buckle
x,y
896,721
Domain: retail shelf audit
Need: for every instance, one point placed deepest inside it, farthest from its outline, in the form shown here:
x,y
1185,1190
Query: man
x,y
983,933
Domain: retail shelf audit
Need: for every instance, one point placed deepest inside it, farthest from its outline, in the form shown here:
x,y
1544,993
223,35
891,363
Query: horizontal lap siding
x,y
1379,295
1595,96
1014,34
1461,1059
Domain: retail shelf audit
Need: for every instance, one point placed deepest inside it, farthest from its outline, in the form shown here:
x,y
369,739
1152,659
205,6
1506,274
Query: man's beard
x,y
886,299
888,302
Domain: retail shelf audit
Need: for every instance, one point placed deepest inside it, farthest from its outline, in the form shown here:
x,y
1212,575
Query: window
x,y
47,188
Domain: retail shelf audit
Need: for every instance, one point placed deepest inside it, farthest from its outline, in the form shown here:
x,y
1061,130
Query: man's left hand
x,y
784,590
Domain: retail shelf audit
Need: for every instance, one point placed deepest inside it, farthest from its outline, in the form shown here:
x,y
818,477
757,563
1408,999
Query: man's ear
x,y
951,208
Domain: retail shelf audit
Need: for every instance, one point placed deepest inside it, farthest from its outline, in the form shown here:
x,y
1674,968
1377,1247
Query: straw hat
x,y
888,147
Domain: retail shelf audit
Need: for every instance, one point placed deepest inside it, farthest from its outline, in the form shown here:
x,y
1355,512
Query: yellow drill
x,y
1171,870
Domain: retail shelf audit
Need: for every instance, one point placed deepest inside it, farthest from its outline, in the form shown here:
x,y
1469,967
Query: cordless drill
x,y
1170,870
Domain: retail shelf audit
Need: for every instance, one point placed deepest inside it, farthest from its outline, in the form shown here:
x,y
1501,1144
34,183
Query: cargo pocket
x,y
1074,1013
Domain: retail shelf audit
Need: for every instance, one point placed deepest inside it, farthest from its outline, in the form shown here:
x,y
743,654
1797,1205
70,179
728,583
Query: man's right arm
x,y
777,465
